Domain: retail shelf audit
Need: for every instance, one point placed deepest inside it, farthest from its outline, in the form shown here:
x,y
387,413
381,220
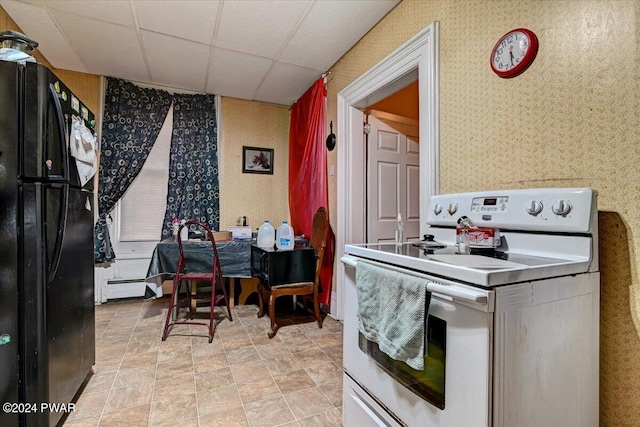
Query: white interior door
x,y
393,183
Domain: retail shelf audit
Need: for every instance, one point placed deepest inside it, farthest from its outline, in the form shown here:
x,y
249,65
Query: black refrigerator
x,y
47,325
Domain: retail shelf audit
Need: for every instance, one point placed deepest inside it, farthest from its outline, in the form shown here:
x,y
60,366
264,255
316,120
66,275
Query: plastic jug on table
x,y
285,240
266,236
184,233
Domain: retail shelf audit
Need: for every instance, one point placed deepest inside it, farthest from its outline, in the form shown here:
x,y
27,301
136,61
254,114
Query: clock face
x,y
514,52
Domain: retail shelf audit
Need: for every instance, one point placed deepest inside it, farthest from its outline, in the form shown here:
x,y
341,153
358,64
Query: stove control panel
x,y
489,204
566,210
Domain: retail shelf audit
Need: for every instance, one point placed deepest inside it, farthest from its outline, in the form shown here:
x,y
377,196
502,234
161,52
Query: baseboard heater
x,y
126,288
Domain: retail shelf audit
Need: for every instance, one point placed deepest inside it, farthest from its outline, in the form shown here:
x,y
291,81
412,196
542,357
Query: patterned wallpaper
x,y
256,196
572,119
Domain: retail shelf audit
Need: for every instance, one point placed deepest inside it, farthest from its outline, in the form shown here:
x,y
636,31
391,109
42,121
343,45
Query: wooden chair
x,y
305,289
183,275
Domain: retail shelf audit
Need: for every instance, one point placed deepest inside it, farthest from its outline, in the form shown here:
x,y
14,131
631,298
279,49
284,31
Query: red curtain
x,y
308,173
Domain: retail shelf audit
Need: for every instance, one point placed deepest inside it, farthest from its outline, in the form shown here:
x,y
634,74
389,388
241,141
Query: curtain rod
x,y
322,76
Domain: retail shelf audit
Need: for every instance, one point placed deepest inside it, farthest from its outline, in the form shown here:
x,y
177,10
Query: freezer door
x,y
46,149
70,300
9,260
58,302
31,286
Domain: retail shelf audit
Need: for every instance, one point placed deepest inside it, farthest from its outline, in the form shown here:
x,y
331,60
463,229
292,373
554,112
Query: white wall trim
x,y
100,275
420,53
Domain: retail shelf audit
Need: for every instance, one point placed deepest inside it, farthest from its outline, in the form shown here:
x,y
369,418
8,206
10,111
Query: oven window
x,y
429,383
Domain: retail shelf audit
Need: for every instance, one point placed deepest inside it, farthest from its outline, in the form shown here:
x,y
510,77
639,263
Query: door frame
x,y
418,55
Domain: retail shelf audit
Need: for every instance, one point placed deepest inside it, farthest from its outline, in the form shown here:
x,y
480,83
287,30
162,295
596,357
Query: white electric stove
x,y
512,331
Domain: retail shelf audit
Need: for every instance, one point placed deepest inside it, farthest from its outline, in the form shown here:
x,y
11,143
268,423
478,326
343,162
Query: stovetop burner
x,y
429,246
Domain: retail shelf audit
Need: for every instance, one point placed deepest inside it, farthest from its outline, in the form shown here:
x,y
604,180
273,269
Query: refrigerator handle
x,y
63,132
62,224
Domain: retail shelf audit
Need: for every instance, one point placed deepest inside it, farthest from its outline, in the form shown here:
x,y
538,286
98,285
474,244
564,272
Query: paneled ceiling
x,y
260,50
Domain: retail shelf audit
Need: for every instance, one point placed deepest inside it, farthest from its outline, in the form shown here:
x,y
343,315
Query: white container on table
x,y
266,236
285,240
184,232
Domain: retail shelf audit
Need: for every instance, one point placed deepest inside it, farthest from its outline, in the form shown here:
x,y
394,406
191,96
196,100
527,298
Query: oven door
x,y
455,387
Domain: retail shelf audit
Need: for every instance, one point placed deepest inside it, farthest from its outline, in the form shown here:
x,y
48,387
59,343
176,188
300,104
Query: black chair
x,y
211,279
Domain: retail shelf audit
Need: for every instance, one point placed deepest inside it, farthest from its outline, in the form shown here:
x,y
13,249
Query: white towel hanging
x,y
82,146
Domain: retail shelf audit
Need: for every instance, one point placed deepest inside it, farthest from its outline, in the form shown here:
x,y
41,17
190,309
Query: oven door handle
x,y
446,290
349,261
457,293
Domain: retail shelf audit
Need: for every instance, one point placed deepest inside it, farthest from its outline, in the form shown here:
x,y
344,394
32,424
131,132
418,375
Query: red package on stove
x,y
483,237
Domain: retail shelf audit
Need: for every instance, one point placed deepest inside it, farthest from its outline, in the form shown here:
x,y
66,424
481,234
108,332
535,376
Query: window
x,y
143,206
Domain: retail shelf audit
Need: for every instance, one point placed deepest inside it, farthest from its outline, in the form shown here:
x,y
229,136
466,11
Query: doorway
x,y
393,166
416,59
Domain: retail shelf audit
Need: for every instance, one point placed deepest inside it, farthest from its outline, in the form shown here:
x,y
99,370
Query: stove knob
x,y
453,208
437,209
561,207
535,208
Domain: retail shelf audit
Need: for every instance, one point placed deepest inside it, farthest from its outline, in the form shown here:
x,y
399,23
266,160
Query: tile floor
x,y
241,379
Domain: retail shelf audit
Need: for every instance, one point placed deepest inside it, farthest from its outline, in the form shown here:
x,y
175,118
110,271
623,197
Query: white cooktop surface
x,y
475,261
487,269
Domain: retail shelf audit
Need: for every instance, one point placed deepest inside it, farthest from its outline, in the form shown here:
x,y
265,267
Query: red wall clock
x,y
514,52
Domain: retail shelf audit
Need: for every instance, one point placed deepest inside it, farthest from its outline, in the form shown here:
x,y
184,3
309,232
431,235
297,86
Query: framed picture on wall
x,y
257,160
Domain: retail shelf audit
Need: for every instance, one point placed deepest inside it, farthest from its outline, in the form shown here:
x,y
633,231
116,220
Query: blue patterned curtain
x,y
133,117
193,191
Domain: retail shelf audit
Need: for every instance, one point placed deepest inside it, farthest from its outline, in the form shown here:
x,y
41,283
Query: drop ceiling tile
x,y
114,11
191,20
236,74
176,62
107,49
326,34
99,37
285,83
37,24
258,27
